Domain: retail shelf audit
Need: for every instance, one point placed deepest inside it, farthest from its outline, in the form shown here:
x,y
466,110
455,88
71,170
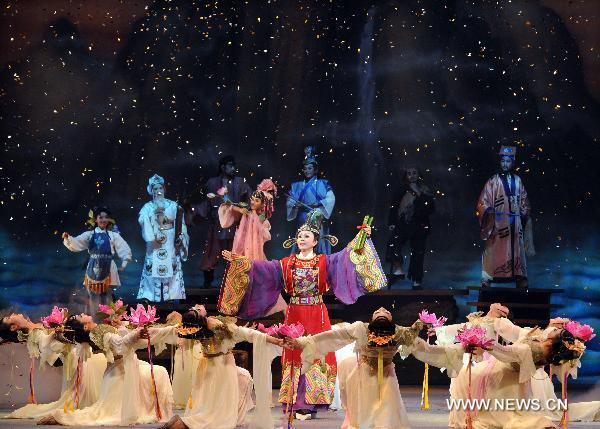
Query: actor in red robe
x,y
251,289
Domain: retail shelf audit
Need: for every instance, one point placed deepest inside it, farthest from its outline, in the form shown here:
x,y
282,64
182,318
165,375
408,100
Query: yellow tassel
x,y
190,403
380,367
565,419
425,392
66,407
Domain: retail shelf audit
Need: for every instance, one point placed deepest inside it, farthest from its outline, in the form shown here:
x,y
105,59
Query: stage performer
x,y
506,373
185,362
102,244
498,325
82,370
167,243
221,391
254,228
226,186
310,194
368,384
127,396
251,289
409,223
504,212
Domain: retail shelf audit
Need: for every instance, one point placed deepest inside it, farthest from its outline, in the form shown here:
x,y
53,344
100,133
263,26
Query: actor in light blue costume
x,y
309,194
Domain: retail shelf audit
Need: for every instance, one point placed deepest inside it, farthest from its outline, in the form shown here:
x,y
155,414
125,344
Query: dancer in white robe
x,y
217,384
505,376
542,388
127,394
75,393
369,393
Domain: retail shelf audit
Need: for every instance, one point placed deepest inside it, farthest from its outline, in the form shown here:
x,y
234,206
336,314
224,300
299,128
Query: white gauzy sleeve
x,y
516,353
79,243
263,354
160,337
122,249
508,330
317,346
146,223
441,356
446,334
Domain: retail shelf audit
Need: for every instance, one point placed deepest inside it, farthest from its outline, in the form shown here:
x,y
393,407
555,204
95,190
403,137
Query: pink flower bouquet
x,y
56,318
114,312
432,321
582,332
294,330
141,317
474,336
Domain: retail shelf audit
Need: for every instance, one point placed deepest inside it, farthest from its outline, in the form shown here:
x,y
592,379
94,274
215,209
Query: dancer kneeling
x,y
217,381
127,394
82,370
368,386
505,376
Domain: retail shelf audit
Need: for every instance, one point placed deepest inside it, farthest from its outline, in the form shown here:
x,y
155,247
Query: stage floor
x,y
436,417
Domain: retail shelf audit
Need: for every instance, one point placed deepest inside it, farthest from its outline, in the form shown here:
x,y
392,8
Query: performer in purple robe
x,y
251,289
224,187
503,211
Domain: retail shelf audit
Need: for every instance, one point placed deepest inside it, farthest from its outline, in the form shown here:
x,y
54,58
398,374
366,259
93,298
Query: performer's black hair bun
x,y
6,334
561,351
194,326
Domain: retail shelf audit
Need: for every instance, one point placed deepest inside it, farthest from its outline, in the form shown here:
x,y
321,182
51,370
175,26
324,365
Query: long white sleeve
x,y
446,334
508,330
122,249
317,346
518,353
145,222
440,356
263,354
160,337
79,243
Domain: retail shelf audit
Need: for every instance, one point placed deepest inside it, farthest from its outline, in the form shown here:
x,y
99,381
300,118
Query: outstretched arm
x,y
79,243
443,356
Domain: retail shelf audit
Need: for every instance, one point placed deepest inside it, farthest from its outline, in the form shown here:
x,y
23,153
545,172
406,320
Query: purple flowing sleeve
x,y
264,287
351,275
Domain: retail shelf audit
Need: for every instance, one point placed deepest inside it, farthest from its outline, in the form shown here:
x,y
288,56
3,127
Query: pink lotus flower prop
x,y
271,330
113,312
582,332
432,319
141,317
293,331
56,318
474,336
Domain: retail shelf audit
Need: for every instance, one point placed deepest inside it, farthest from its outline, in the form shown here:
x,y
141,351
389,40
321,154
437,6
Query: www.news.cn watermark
x,y
507,404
